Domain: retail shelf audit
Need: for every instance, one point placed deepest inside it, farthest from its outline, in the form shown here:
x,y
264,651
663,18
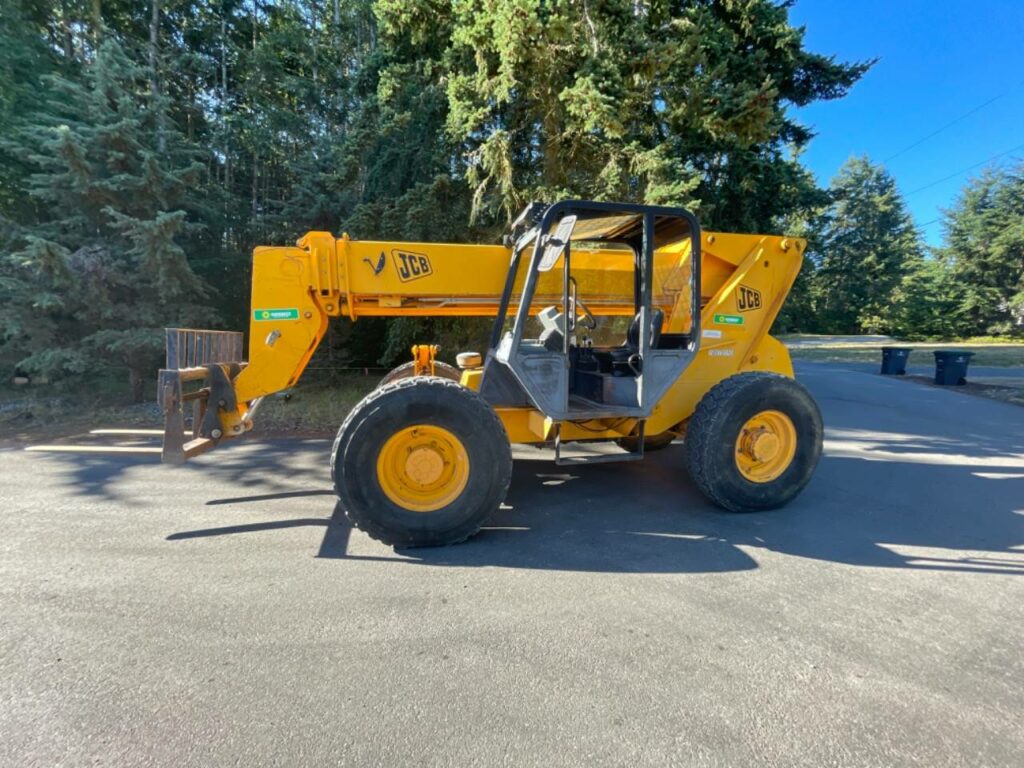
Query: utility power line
x,y
951,123
937,131
963,171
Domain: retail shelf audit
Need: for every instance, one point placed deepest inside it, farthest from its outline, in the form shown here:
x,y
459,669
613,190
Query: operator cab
x,y
571,352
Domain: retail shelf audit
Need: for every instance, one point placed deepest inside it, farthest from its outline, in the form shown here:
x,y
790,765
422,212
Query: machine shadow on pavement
x,y
552,519
879,499
932,483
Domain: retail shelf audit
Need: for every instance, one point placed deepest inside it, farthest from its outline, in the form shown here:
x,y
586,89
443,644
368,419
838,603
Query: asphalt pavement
x,y
974,372
221,613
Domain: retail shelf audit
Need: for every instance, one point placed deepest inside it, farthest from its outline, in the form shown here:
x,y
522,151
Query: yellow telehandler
x,y
618,328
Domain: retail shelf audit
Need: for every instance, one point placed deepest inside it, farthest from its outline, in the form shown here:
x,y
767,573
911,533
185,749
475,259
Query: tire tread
x,y
490,420
705,428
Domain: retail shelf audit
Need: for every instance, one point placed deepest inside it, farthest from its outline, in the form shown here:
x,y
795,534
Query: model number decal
x,y
747,299
411,266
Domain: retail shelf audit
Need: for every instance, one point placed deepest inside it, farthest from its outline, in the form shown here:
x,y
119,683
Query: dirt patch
x,y
28,417
1010,392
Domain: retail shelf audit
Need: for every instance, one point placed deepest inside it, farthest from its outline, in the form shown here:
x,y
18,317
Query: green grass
x,y
316,409
853,339
1007,390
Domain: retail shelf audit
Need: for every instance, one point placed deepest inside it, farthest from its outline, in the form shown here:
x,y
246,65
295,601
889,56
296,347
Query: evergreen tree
x,y
798,314
25,60
136,133
663,102
985,244
927,302
101,270
864,247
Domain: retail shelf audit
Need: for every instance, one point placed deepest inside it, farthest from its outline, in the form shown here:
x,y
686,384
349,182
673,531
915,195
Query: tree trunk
x,y
223,59
69,43
551,128
224,99
255,185
136,383
96,14
314,41
154,74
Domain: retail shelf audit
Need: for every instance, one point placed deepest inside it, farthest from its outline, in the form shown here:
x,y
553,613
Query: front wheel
x,y
754,441
421,462
408,370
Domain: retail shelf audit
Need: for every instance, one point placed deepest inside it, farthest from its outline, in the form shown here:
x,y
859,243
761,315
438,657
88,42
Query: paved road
x,y
219,615
974,372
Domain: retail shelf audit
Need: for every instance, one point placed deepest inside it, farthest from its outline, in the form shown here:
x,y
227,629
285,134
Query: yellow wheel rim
x,y
765,446
423,468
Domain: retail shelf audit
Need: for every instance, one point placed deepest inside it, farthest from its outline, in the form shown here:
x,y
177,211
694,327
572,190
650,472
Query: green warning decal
x,y
729,319
275,314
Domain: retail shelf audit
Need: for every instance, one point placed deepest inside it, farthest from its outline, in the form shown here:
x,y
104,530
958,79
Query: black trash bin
x,y
894,360
951,367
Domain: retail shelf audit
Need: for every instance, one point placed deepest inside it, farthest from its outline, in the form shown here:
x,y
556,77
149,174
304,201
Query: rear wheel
x,y
408,370
754,441
421,462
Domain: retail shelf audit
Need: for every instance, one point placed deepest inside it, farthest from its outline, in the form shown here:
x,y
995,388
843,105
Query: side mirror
x,y
557,242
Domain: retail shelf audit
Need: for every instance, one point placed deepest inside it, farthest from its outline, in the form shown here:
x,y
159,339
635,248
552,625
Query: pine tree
x,y
416,119
798,313
680,103
102,270
866,244
927,302
24,61
985,244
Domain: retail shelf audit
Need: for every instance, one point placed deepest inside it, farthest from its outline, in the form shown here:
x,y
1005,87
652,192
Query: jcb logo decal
x,y
411,266
747,299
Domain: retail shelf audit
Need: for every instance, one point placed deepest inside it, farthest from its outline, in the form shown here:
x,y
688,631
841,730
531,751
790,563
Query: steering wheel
x,y
583,315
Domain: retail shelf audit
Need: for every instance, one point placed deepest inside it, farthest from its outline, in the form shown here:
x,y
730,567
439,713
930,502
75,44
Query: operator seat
x,y
552,340
621,355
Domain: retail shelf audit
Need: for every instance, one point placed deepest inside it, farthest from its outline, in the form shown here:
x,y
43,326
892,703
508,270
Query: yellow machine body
x,y
296,290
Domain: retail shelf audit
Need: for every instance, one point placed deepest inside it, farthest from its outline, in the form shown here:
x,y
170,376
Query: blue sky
x,y
938,61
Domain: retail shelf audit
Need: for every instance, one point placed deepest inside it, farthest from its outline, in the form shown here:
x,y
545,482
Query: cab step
x,y
597,452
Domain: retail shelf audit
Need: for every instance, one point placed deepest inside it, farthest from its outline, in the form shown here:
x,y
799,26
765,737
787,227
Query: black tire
x,y
408,370
404,403
716,424
651,442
